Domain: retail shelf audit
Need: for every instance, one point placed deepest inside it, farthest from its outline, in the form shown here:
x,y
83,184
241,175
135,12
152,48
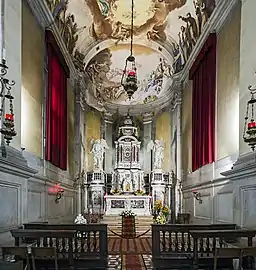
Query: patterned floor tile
x,y
114,262
148,261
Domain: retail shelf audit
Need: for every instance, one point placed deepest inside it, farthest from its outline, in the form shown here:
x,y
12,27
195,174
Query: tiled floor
x,y
115,262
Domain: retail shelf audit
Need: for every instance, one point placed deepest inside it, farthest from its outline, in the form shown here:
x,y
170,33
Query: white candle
x,y
4,54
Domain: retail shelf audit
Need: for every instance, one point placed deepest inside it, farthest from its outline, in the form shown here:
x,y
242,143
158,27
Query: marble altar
x,y
115,204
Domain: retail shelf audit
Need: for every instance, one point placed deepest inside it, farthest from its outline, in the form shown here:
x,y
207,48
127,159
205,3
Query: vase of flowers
x,y
160,212
128,224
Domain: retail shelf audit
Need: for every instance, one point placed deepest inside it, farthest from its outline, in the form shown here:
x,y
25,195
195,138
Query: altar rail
x,y
174,245
75,243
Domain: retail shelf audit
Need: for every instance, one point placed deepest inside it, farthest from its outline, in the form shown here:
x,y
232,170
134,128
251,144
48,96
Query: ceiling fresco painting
x,y
175,25
105,70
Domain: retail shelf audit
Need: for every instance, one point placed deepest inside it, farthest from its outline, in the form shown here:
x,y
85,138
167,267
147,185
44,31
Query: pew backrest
x,y
175,238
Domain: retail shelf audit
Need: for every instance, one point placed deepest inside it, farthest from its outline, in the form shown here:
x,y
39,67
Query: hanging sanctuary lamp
x,y
7,123
249,135
129,77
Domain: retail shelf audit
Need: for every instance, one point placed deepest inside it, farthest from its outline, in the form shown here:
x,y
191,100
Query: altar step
x,y
142,223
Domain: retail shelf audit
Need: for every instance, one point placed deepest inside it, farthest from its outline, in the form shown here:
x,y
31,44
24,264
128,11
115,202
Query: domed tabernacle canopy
x,y
128,121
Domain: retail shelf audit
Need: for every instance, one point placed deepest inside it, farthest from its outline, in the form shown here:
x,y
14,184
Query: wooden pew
x,y
203,257
173,245
91,250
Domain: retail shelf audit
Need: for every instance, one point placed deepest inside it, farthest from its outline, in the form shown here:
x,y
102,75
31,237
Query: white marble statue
x,y
98,149
158,153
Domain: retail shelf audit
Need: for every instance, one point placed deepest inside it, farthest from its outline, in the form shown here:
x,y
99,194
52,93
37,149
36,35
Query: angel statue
x,y
158,153
98,149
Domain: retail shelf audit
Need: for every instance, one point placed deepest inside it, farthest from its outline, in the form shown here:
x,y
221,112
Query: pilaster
x,y
11,14
108,123
147,129
77,144
247,64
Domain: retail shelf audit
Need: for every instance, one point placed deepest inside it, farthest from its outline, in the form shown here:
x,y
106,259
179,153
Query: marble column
x,y
77,144
11,40
108,121
147,130
247,64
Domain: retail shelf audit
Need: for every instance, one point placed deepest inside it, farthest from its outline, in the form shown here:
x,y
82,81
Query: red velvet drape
x,y
56,106
203,74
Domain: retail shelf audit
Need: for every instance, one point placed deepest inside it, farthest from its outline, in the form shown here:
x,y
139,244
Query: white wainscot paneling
x,y
35,205
224,207
10,209
203,210
248,207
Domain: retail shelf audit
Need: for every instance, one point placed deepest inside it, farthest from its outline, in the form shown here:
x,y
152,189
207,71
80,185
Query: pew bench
x,y
85,253
173,246
204,258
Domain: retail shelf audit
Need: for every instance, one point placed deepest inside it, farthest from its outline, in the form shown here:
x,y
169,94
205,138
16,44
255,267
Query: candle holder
x,y
249,134
7,128
197,196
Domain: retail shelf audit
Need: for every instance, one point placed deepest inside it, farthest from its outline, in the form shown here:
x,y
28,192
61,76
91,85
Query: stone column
x,y
177,119
77,124
11,40
108,121
147,128
247,65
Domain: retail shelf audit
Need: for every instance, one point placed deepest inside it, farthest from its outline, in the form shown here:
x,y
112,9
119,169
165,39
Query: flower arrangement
x,y
160,212
139,192
161,219
127,213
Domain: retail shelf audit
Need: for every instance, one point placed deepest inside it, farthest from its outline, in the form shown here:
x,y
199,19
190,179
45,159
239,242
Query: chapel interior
x,y
127,134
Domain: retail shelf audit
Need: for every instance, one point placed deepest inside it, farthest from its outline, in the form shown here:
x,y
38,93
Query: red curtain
x,y
56,105
203,74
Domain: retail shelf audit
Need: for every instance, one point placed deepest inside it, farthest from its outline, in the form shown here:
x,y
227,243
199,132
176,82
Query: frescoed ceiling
x,y
98,32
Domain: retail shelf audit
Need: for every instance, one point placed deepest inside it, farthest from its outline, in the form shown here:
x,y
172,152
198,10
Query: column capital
x,y
176,99
147,117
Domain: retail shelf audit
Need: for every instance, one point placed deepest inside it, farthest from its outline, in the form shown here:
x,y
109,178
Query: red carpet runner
x,y
132,262
129,246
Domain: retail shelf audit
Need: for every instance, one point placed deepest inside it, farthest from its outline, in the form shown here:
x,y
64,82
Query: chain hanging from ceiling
x,y
129,77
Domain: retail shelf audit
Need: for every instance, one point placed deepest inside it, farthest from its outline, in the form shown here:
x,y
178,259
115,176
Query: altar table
x,y
116,204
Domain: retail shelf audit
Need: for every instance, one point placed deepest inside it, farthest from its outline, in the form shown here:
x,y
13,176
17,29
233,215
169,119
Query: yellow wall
x,y
71,129
228,51
163,132
186,128
92,131
32,82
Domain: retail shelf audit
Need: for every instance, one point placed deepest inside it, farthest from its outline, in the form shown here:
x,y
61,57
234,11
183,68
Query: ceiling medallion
x,y
129,77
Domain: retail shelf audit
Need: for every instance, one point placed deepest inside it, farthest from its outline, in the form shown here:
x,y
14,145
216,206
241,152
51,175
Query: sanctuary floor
x,y
129,254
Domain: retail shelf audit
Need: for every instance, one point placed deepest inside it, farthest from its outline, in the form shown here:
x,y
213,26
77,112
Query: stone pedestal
x,y
97,189
128,227
158,186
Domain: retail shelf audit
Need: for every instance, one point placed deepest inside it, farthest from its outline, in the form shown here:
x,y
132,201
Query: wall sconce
x,y
197,196
58,191
7,125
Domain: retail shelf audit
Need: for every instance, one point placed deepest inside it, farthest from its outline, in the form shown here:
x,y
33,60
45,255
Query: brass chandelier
x,y
129,77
